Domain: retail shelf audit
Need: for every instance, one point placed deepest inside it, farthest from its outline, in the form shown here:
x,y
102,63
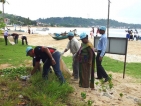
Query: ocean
x,y
112,32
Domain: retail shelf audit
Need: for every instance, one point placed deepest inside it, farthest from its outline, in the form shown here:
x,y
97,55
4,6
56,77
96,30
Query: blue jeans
x,y
56,67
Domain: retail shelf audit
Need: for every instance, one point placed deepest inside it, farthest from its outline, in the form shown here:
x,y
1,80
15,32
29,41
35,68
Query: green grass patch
x,y
132,69
34,92
13,54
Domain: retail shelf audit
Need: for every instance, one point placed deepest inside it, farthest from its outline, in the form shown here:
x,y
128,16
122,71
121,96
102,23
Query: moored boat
x,y
58,36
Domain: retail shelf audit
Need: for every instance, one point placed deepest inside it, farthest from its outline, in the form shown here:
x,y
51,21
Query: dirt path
x,y
128,87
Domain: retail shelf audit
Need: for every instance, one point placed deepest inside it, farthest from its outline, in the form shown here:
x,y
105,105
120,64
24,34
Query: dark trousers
x,y
75,66
101,73
56,67
5,38
24,38
16,40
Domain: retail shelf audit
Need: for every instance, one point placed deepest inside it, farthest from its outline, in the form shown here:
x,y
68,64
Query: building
x,y
7,21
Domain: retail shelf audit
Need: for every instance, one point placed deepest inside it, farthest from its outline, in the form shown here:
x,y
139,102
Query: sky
x,y
128,11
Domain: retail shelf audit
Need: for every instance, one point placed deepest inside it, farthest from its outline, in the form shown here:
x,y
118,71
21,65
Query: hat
x,y
70,34
102,28
28,49
83,35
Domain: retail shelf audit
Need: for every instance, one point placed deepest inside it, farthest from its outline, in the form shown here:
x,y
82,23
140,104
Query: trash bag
x,y
11,40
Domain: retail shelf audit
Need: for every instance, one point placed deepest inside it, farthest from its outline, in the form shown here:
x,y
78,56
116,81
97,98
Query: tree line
x,y
14,19
68,22
84,22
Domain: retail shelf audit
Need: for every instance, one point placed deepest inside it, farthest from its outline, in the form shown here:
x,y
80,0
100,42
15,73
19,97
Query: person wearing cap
x,y
101,48
50,57
5,36
74,46
86,57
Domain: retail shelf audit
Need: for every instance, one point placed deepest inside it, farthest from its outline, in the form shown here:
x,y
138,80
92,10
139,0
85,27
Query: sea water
x,y
113,32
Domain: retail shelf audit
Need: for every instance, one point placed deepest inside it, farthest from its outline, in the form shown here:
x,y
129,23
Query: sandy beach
x,y
129,87
133,54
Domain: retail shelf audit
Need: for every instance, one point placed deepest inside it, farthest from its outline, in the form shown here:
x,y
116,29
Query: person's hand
x,y
100,58
53,62
95,49
65,50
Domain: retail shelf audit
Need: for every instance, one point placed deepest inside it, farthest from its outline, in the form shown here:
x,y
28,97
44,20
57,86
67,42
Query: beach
x,y
133,48
129,87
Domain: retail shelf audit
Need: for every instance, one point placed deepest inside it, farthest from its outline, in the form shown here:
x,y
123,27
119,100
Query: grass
x,y
15,55
34,92
132,69
12,54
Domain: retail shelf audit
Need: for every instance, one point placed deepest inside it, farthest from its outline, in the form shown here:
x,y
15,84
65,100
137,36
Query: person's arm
x,y
90,56
68,47
37,65
46,50
104,45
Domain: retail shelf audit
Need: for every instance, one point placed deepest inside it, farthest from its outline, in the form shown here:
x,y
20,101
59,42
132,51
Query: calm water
x,y
112,32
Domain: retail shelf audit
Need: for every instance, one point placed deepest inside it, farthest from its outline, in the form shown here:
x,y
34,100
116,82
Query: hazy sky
x,y
128,11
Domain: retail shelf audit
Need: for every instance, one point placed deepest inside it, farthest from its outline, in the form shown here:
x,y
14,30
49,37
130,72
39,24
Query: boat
x,y
42,29
58,36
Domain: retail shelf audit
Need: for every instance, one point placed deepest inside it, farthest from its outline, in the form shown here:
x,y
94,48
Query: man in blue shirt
x,y
101,48
5,36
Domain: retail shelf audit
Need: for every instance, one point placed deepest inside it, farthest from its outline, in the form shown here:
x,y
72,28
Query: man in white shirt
x,y
74,46
5,36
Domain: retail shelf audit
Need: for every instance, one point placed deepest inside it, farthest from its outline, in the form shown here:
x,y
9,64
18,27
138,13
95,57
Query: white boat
x,y
42,29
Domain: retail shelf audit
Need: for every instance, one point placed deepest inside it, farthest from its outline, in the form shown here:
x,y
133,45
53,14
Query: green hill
x,y
68,22
19,20
83,22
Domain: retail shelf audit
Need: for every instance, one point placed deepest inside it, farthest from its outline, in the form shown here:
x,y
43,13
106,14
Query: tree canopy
x,y
2,25
19,20
83,22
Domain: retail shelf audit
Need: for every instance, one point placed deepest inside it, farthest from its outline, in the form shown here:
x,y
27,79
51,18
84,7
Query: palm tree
x,y
3,2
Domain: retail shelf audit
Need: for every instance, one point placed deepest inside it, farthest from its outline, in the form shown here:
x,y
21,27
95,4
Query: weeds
x,y
89,102
35,92
121,95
